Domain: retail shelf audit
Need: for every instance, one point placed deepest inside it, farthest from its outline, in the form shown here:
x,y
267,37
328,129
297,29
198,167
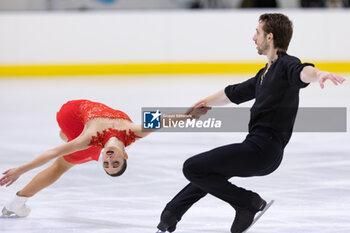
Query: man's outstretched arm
x,y
201,107
310,74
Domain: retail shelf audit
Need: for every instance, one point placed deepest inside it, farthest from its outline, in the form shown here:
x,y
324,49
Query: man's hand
x,y
10,176
323,76
198,110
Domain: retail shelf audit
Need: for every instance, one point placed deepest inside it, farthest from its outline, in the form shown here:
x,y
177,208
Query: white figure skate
x,y
16,207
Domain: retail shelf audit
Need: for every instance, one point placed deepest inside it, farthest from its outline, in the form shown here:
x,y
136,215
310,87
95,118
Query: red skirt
x,y
71,123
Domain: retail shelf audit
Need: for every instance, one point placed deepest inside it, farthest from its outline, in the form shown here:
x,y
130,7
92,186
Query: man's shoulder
x,y
288,57
286,60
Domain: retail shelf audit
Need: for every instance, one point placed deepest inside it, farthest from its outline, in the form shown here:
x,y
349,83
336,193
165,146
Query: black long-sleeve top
x,y
276,96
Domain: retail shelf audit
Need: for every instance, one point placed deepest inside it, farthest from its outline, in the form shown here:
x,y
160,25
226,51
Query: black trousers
x,y
259,154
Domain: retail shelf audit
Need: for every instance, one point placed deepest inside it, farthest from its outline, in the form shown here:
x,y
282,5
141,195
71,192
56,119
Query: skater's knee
x,y
190,168
60,166
63,136
186,168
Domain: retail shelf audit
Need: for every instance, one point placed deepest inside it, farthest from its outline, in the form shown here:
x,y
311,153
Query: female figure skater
x,y
87,127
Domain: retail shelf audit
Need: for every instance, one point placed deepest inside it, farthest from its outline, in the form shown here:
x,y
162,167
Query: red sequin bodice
x,y
102,138
72,118
90,110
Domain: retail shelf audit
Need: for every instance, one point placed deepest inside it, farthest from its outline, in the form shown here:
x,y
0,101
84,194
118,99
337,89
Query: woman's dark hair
x,y
121,171
281,28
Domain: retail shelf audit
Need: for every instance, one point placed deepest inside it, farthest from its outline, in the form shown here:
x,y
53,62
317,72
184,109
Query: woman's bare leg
x,y
63,136
46,177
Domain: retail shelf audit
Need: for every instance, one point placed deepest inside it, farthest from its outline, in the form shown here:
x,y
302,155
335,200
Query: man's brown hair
x,y
281,28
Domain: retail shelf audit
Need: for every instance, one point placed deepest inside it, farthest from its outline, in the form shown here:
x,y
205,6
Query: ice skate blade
x,y
268,205
8,214
159,231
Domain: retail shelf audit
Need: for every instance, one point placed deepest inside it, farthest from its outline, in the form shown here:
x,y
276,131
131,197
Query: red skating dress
x,y
72,118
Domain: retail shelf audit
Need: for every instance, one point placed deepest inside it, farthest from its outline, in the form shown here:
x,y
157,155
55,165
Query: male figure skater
x,y
276,92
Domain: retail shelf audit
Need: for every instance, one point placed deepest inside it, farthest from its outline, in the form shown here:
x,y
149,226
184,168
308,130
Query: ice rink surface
x,y
311,188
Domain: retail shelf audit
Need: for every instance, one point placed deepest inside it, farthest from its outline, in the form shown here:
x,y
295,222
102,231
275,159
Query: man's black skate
x,y
168,222
245,217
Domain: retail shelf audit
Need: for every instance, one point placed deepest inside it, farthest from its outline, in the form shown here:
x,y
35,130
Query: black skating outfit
x,y
276,94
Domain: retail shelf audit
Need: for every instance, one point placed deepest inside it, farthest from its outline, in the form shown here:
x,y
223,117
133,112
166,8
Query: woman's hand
x,y
198,110
10,176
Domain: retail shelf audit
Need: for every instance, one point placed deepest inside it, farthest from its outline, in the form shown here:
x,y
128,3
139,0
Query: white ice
x,y
311,188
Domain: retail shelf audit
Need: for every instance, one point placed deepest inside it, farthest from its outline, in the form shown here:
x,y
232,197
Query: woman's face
x,y
113,159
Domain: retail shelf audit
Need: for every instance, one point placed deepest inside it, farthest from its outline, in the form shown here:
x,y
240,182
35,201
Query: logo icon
x,y
151,119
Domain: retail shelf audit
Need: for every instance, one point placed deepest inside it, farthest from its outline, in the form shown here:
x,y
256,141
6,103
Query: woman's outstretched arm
x,y
11,175
173,117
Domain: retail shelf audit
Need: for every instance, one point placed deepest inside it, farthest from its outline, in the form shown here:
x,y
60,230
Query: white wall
x,y
25,5
162,36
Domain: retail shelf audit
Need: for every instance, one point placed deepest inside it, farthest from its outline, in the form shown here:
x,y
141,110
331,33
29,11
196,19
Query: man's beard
x,y
263,49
